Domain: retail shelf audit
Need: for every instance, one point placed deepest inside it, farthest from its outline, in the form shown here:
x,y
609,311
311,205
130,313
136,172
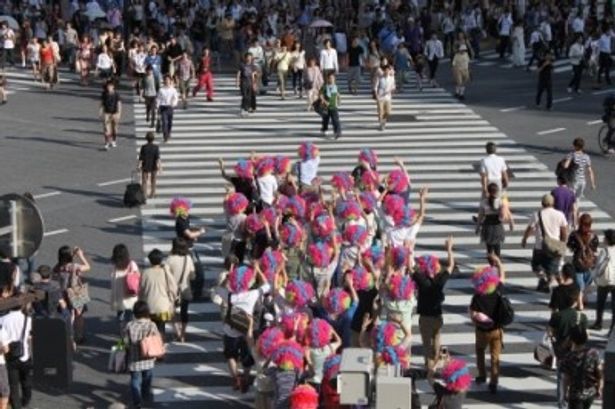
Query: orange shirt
x,y
47,55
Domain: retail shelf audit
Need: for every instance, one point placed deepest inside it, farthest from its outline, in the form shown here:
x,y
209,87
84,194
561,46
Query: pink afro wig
x,y
376,255
361,278
241,279
244,169
288,356
235,203
355,234
315,209
386,334
304,397
486,280
307,151
334,239
323,226
319,254
348,210
265,165
287,323
180,206
281,203
368,201
295,207
283,165
399,257
331,367
270,261
393,206
299,293
397,181
456,376
319,333
428,265
370,180
269,215
253,223
393,355
368,156
401,287
337,301
342,181
269,341
404,218
291,234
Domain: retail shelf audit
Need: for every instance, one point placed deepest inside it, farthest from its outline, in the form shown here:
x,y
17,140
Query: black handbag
x,y
16,348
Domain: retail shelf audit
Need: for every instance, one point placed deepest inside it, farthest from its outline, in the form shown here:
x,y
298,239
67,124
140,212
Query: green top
x,y
330,94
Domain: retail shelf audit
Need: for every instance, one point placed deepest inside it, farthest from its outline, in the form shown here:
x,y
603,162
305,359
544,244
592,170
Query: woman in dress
x,y
490,219
518,45
84,59
312,81
123,298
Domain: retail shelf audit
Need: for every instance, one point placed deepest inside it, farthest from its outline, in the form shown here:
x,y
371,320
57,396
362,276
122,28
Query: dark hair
x,y
609,235
492,189
229,261
120,256
562,180
141,310
568,270
149,137
44,271
578,143
155,257
109,82
578,335
585,226
490,147
65,255
180,247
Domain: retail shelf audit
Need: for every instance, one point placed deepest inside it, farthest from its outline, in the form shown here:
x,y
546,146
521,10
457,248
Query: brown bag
x,y
237,318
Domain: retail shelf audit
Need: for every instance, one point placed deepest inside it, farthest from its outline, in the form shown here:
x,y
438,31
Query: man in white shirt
x,y
575,54
434,51
604,58
493,169
505,24
385,85
7,37
307,171
328,60
578,25
166,101
536,44
551,223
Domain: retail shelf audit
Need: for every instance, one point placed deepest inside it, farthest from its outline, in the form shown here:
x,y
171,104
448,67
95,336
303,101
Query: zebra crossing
x,y
492,59
22,80
440,140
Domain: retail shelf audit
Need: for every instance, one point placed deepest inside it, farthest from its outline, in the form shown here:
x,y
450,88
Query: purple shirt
x,y
564,200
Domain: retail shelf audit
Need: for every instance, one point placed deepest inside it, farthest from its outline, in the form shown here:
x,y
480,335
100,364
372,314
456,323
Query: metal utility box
x,y
393,393
354,379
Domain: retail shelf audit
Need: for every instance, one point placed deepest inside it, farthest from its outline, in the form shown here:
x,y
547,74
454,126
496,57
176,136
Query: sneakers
x,y
337,135
107,146
113,144
381,126
243,113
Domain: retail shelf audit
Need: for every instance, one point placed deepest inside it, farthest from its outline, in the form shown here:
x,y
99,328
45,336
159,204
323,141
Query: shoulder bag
x,y
553,248
77,291
172,296
16,348
186,293
152,346
237,318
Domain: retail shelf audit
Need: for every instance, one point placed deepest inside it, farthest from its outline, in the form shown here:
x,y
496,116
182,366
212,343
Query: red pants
x,y
205,81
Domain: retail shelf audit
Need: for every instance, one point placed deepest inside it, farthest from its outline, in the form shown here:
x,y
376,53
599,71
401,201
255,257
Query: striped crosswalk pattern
x,y
441,141
22,80
492,59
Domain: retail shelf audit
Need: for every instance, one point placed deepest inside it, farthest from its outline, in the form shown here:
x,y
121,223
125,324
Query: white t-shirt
x,y
267,186
4,341
398,235
493,166
553,220
9,38
308,170
245,301
13,323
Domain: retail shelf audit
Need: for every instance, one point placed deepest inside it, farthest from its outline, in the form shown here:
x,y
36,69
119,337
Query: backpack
x,y
132,280
505,312
567,173
585,258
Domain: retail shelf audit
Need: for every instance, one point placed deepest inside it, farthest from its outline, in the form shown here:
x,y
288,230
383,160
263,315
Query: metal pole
x,y
14,237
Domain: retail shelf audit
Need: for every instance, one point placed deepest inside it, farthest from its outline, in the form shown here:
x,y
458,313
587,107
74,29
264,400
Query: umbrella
x,y
95,13
319,23
10,21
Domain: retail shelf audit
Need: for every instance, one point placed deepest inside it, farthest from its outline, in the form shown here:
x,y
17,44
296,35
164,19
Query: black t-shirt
x,y
181,225
546,73
563,296
243,186
488,305
149,156
430,293
174,51
354,56
246,71
366,301
110,102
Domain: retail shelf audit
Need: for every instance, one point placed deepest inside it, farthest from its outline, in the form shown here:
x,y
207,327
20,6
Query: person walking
x,y
604,57
184,74
123,298
49,72
537,45
355,62
206,77
166,102
564,200
8,39
505,24
141,369
298,66
402,60
461,71
182,268
582,372
434,51
158,289
567,291
583,243
489,222
247,84
312,82
84,59
384,88
545,82
518,45
149,90
583,167
105,65
330,99
577,60
149,164
605,279
328,59
493,169
281,62
110,113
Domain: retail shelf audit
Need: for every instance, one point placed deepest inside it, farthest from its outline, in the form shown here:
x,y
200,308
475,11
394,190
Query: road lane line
x,y
114,182
123,218
555,101
550,131
596,122
511,109
54,232
44,195
604,91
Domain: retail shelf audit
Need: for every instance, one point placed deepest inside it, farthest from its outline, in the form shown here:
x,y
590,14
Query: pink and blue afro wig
x,y
400,256
283,165
368,156
398,181
342,181
244,169
253,223
299,293
375,254
265,165
323,226
236,203
291,234
486,280
319,333
180,207
307,151
241,279
337,301
289,356
304,397
456,375
428,265
355,235
401,287
320,254
269,341
270,262
348,210
361,278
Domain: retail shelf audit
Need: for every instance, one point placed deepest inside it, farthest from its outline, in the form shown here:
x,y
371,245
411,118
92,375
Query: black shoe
x,y
480,379
493,388
337,135
597,326
542,286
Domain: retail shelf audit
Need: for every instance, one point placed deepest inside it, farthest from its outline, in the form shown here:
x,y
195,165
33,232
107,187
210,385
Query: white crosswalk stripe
x,y
491,59
440,140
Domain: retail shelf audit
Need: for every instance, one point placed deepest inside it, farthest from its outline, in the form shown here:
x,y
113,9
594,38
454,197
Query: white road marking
x,y
123,218
45,195
597,121
54,232
604,91
511,109
550,131
564,99
114,182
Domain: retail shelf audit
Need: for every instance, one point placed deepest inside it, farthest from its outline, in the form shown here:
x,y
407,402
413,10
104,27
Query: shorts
x,y
4,382
542,262
184,86
578,187
111,122
583,279
237,348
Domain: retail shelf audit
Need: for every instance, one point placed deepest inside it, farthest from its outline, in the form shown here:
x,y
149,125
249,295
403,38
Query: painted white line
x,y
113,182
604,91
511,109
550,131
555,101
44,195
55,232
123,218
596,122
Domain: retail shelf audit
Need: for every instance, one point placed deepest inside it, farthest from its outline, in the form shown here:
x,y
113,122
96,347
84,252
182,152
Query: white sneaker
x,y
113,145
107,146
569,90
611,151
243,113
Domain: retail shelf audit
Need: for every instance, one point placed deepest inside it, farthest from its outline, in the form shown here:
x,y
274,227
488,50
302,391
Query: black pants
x,y
604,66
494,248
575,82
166,120
433,67
8,56
298,80
150,110
248,97
535,52
183,311
334,116
580,404
545,85
504,41
20,382
603,294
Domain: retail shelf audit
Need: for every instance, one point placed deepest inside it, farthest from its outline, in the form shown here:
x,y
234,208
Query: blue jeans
x,y
583,279
141,386
166,121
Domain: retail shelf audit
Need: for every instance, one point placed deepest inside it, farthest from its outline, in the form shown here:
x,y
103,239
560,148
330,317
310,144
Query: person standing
x,y
7,37
158,289
385,86
545,82
110,112
434,51
84,60
447,26
505,23
49,73
149,164
461,71
166,101
246,82
105,65
298,65
493,169
401,61
355,61
583,243
330,98
489,222
604,58
518,45
605,279
582,163
206,77
576,56
564,200
184,73
182,268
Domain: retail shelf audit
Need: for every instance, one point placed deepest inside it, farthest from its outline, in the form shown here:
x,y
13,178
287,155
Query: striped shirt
x,y
135,331
583,162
